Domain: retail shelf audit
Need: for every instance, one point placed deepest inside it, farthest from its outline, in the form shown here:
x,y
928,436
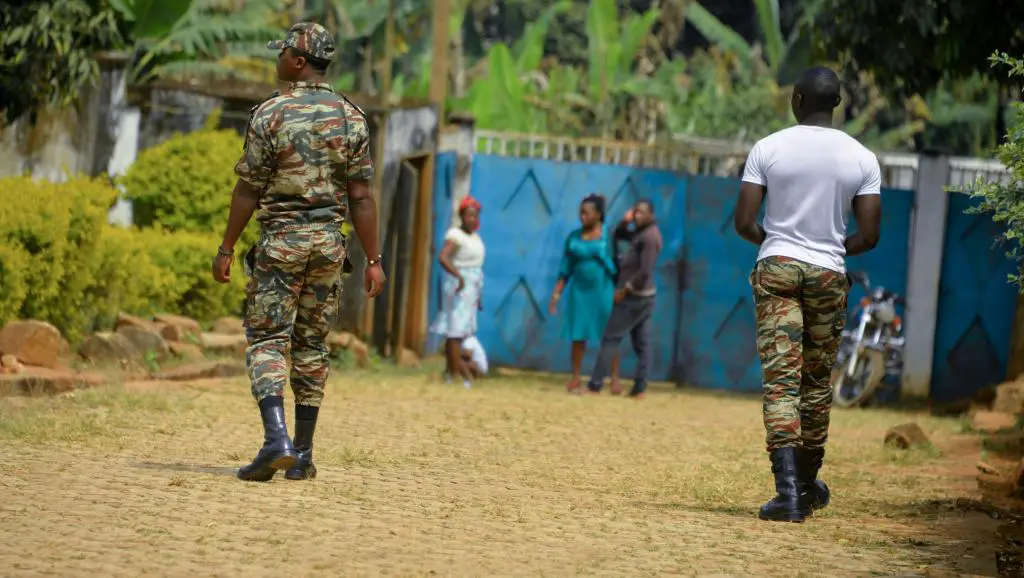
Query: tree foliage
x,y
47,52
1005,199
909,46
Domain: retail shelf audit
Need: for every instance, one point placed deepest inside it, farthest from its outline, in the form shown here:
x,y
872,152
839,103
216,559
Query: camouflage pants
x,y
801,310
291,302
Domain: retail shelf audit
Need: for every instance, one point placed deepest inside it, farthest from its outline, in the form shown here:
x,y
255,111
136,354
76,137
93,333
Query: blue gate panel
x,y
717,347
530,206
888,263
444,187
976,305
704,329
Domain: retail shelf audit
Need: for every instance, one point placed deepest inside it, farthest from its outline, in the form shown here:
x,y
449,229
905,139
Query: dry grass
x,y
511,478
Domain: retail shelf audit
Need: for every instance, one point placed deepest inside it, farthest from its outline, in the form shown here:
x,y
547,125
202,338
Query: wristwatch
x,y
375,261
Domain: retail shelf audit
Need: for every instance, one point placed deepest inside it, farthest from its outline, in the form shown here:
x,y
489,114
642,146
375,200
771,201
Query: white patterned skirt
x,y
457,319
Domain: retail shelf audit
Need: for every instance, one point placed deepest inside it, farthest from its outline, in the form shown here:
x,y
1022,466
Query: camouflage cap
x,y
309,37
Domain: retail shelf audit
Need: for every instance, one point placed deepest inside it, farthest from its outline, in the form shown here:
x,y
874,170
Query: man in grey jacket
x,y
634,297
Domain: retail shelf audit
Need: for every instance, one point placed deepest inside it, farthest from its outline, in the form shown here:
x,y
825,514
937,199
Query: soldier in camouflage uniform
x,y
306,150
812,176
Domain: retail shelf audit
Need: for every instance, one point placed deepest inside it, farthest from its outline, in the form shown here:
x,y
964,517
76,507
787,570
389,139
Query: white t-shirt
x,y
812,175
470,248
476,352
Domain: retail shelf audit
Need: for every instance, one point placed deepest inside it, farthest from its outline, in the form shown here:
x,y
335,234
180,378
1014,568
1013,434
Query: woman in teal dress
x,y
588,271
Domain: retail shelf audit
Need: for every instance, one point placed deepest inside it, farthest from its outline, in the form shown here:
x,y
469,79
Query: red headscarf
x,y
471,203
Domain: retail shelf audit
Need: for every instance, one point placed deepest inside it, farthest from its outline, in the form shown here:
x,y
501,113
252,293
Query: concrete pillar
x,y
927,239
460,137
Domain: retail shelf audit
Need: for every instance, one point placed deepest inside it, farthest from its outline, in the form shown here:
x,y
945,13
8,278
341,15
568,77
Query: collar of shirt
x,y
309,86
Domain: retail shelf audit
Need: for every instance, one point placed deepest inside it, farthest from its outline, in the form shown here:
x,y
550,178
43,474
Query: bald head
x,y
815,92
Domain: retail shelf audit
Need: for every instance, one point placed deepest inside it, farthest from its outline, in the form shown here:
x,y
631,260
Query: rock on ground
x,y
906,436
41,381
1009,397
185,350
33,342
145,340
227,345
202,371
107,346
228,326
178,327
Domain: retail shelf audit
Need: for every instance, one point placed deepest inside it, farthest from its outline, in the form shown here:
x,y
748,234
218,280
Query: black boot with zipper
x,y
814,492
277,452
786,506
305,425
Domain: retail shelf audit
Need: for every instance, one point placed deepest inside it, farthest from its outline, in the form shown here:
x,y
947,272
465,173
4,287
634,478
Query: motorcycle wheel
x,y
858,390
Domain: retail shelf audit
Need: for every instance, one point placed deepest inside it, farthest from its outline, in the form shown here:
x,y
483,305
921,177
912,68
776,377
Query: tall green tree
x,y
47,52
909,46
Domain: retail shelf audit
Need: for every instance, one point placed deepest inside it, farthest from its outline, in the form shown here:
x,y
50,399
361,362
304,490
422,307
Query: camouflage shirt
x,y
302,148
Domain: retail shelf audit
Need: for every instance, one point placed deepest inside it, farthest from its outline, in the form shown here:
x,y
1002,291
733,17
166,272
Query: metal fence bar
x,y
707,156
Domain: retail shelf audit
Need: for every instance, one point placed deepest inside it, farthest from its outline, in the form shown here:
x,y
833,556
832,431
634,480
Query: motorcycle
x,y
872,350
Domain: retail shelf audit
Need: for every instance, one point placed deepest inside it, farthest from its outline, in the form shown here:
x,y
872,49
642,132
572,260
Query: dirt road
x,y
511,478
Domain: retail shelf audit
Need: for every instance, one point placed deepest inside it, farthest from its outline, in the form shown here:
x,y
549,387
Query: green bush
x,y
60,261
14,263
56,227
185,184
189,288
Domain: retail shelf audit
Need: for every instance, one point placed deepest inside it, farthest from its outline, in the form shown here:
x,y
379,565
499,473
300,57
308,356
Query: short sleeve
x,y
872,184
455,236
256,166
360,163
753,169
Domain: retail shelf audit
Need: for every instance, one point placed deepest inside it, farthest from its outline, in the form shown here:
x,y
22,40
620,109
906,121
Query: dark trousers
x,y
633,316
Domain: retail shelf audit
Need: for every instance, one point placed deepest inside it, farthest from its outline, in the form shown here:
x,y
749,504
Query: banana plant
x,y
785,56
613,51
189,37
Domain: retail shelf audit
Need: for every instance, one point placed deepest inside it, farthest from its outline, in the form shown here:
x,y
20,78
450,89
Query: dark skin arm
x,y
745,217
364,219
244,201
867,209
445,258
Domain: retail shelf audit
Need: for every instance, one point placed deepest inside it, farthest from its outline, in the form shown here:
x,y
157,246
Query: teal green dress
x,y
589,270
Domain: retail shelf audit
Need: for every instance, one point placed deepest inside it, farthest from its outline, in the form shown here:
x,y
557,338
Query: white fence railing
x,y
705,156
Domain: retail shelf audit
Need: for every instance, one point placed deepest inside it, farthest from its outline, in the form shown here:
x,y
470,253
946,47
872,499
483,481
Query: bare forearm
x,y
559,287
244,201
753,232
858,243
364,220
446,264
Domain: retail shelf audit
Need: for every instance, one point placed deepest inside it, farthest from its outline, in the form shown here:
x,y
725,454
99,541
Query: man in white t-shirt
x,y
811,175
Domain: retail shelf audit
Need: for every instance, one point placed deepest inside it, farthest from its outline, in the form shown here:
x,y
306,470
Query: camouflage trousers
x,y
292,300
801,310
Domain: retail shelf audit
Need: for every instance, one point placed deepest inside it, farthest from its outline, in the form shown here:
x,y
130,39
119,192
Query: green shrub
x,y
14,263
57,226
188,287
185,183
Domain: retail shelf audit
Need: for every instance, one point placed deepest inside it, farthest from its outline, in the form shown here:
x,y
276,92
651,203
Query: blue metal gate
x,y
976,305
704,321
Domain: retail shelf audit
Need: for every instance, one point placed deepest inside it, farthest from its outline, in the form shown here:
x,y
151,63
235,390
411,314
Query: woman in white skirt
x,y
462,257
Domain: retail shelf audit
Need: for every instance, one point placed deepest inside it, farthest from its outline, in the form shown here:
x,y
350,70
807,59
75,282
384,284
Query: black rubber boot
x,y
305,425
277,452
814,492
786,506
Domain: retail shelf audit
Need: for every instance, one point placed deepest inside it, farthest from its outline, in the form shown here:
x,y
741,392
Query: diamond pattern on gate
x,y
621,201
978,242
974,359
518,316
526,214
735,340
